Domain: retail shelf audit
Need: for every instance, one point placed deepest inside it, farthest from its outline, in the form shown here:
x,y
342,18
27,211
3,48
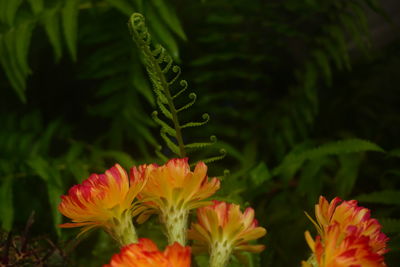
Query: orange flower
x,y
348,236
103,200
172,190
222,228
346,214
337,251
146,254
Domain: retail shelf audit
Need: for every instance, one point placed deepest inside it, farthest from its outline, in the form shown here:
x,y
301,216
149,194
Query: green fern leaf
x,y
170,18
70,21
216,158
334,148
36,5
199,145
205,117
171,145
166,128
13,56
337,35
122,5
51,22
348,173
260,174
389,197
164,76
164,34
332,50
8,10
323,62
52,177
355,32
22,40
310,79
311,181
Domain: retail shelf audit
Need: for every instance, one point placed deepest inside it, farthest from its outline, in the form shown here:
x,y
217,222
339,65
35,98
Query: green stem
x,y
154,66
122,230
175,221
220,254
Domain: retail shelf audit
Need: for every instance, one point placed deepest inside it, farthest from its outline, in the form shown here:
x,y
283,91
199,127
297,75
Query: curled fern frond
x,y
212,159
213,140
177,70
165,77
170,144
184,85
164,126
205,117
193,98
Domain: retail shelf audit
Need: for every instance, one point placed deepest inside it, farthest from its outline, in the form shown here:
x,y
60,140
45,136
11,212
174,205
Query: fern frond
x,y
166,128
213,140
164,75
164,109
193,97
222,155
153,59
389,197
184,85
205,117
334,148
70,25
170,144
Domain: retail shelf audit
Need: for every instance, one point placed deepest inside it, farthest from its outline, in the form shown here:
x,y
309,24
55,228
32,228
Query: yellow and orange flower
x,y
146,254
346,214
348,236
338,250
172,190
103,200
222,229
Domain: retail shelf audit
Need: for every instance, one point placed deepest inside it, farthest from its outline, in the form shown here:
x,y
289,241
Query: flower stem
x,y
175,221
123,231
220,254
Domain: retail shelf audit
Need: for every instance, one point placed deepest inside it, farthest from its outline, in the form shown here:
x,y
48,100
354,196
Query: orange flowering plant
x,y
103,200
111,200
172,190
222,229
347,236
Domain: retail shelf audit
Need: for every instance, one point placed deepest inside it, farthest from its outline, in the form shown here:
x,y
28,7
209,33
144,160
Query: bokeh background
x,y
304,98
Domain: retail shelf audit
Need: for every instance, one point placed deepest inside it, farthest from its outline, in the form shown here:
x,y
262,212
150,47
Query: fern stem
x,y
174,112
156,69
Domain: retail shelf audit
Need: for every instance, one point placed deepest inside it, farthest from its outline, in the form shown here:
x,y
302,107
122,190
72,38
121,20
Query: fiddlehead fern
x,y
165,77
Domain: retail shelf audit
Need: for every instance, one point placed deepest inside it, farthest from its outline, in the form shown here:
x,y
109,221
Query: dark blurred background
x,y
304,96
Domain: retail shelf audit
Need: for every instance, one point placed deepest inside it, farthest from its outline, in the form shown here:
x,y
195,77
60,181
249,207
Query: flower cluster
x,y
171,191
103,200
348,236
223,228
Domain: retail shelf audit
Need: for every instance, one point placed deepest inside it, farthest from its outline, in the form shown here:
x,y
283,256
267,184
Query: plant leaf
x,y
381,197
70,21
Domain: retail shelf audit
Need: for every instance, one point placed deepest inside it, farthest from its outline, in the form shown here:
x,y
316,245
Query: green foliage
x,y
164,76
282,80
59,18
382,197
